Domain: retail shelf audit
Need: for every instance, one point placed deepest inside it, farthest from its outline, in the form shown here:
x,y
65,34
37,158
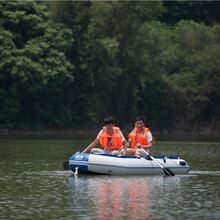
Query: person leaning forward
x,y
111,138
139,136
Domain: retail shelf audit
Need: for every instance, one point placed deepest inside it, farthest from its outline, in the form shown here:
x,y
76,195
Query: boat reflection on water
x,y
110,201
123,198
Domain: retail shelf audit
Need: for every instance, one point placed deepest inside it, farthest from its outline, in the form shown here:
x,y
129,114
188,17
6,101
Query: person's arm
x,y
124,142
124,146
129,143
93,144
146,147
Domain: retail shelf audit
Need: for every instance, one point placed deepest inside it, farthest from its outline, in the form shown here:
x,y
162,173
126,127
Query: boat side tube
x,y
128,165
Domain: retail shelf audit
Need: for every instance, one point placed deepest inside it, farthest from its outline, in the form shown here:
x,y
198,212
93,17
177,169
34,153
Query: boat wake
x,y
198,172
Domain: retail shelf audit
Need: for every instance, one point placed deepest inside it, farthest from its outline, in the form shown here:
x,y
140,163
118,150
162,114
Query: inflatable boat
x,y
126,165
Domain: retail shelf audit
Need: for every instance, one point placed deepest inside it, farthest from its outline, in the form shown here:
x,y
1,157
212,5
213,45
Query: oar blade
x,y
66,165
168,172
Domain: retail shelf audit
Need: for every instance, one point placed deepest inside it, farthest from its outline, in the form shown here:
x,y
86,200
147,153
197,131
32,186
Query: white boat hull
x,y
126,165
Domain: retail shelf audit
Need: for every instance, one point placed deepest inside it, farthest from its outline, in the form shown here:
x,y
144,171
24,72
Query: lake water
x,y
33,184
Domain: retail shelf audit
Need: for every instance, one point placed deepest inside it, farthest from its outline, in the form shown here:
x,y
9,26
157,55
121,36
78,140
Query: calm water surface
x,y
33,184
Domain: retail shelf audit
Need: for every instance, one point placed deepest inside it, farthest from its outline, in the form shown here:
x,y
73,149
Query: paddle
x,y
66,165
167,171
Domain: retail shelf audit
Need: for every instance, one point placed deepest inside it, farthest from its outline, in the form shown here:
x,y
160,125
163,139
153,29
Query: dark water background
x,y
33,184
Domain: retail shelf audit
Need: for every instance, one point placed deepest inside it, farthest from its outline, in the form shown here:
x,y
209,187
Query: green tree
x,y
111,63
192,88
206,12
33,65
69,63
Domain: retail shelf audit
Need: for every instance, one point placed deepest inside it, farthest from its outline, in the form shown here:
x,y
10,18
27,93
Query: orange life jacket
x,y
141,138
116,138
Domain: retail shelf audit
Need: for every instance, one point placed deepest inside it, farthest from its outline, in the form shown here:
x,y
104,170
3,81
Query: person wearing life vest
x,y
139,136
111,138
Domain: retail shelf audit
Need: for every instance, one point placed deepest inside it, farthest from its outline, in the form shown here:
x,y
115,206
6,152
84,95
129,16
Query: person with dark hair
x,y
111,138
140,136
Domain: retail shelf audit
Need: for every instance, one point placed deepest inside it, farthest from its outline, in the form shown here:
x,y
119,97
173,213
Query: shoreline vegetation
x,y
53,131
86,134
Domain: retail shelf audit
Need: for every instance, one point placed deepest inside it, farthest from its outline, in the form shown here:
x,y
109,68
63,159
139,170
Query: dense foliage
x,y
68,64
